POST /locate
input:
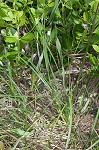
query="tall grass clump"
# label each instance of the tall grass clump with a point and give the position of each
(49, 71)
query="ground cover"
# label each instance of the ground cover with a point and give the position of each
(49, 75)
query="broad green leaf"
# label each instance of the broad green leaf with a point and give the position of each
(97, 31)
(7, 18)
(27, 38)
(6, 13)
(96, 48)
(95, 39)
(85, 16)
(4, 6)
(22, 20)
(10, 14)
(24, 1)
(53, 33)
(51, 4)
(10, 55)
(47, 10)
(2, 13)
(18, 14)
(94, 5)
(93, 59)
(10, 39)
(40, 10)
(32, 11)
(19, 4)
(57, 12)
(4, 10)
(76, 21)
(49, 1)
(2, 23)
(75, 13)
(11, 32)
(68, 5)
(31, 2)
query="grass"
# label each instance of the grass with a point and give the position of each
(49, 93)
(44, 117)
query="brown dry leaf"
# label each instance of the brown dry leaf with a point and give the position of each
(1, 145)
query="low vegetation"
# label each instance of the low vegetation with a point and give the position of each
(49, 74)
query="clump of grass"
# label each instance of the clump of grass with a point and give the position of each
(47, 101)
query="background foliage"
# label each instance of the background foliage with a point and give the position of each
(48, 28)
(42, 37)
